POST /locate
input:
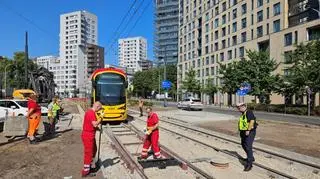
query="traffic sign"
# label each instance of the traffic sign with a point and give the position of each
(244, 89)
(166, 84)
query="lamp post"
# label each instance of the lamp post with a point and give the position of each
(5, 80)
(309, 99)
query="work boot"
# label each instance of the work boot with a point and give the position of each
(248, 168)
(85, 174)
(33, 142)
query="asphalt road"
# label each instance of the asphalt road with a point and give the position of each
(259, 114)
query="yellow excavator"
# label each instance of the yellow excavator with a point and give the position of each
(22, 93)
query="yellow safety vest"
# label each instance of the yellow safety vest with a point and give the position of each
(243, 122)
(55, 109)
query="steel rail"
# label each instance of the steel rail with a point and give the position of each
(172, 154)
(126, 155)
(229, 153)
(236, 142)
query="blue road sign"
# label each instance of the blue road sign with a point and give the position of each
(166, 84)
(244, 89)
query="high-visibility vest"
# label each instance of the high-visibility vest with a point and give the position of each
(243, 122)
(55, 109)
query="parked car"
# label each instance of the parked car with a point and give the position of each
(190, 104)
(19, 107)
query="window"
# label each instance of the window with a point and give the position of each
(207, 16)
(207, 71)
(287, 56)
(234, 13)
(295, 37)
(222, 56)
(198, 62)
(285, 72)
(223, 32)
(276, 26)
(224, 6)
(216, 23)
(235, 53)
(288, 39)
(252, 4)
(259, 31)
(276, 9)
(259, 3)
(251, 19)
(229, 54)
(207, 38)
(212, 70)
(217, 10)
(216, 46)
(223, 44)
(198, 73)
(207, 27)
(244, 23)
(234, 40)
(244, 9)
(234, 27)
(259, 16)
(267, 28)
(216, 35)
(223, 19)
(212, 59)
(243, 37)
(206, 49)
(241, 51)
(251, 34)
(267, 12)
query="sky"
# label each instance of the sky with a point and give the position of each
(41, 20)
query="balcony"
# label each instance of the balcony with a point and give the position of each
(298, 9)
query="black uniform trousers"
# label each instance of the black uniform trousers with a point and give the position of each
(246, 143)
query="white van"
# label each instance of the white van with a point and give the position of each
(18, 106)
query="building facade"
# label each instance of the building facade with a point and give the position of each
(77, 30)
(132, 53)
(213, 32)
(95, 58)
(46, 61)
(166, 31)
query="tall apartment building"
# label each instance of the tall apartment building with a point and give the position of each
(166, 31)
(46, 61)
(95, 58)
(132, 52)
(77, 30)
(215, 31)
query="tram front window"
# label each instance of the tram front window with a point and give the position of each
(110, 89)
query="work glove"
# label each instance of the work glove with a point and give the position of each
(148, 132)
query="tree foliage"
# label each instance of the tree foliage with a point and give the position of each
(190, 83)
(145, 82)
(257, 70)
(304, 69)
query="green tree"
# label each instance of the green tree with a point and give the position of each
(257, 70)
(304, 69)
(190, 83)
(210, 89)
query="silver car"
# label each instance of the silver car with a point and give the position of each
(190, 104)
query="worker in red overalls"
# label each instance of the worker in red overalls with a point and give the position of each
(152, 135)
(90, 125)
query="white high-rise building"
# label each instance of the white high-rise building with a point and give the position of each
(77, 29)
(132, 52)
(46, 61)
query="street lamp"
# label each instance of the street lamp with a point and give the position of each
(5, 80)
(309, 99)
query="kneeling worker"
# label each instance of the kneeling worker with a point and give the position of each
(247, 127)
(90, 125)
(152, 135)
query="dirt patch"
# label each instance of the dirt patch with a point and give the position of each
(56, 158)
(298, 138)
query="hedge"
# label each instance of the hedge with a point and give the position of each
(281, 108)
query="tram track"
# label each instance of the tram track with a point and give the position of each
(129, 157)
(182, 124)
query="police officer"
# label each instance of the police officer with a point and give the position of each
(247, 127)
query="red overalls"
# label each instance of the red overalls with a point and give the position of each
(152, 139)
(88, 140)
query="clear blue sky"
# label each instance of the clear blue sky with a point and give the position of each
(44, 35)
